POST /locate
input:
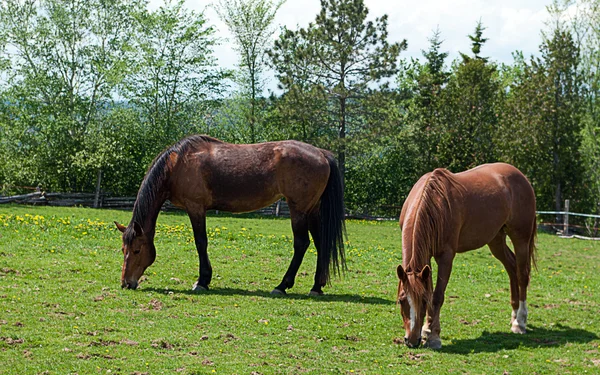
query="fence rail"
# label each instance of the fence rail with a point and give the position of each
(566, 213)
(560, 225)
(279, 208)
(568, 229)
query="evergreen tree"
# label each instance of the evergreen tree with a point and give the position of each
(542, 127)
(340, 52)
(477, 41)
(425, 83)
(469, 109)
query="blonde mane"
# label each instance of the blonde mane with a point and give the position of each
(432, 213)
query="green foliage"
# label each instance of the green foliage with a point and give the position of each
(453, 116)
(251, 23)
(70, 55)
(542, 124)
(381, 167)
(63, 309)
(470, 106)
(422, 84)
(174, 72)
(477, 40)
(588, 20)
(92, 91)
(342, 53)
(229, 121)
(99, 87)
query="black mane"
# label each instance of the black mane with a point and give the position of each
(155, 180)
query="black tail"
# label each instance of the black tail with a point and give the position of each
(333, 227)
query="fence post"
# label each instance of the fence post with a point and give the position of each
(277, 208)
(98, 184)
(566, 219)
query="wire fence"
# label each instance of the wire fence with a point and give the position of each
(569, 224)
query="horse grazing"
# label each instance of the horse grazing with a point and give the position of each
(448, 213)
(200, 173)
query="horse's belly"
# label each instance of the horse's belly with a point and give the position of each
(244, 204)
(477, 236)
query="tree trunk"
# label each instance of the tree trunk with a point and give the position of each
(342, 140)
(253, 105)
(98, 184)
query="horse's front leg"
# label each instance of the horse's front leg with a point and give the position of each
(444, 262)
(205, 270)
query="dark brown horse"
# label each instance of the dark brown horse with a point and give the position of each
(200, 173)
(448, 213)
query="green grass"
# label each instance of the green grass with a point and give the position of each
(62, 310)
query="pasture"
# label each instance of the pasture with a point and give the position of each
(62, 310)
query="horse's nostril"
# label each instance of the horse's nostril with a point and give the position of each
(411, 345)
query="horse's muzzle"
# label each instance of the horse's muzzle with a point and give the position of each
(129, 284)
(410, 345)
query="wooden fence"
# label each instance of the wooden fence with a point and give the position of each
(560, 221)
(39, 198)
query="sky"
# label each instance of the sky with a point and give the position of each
(511, 24)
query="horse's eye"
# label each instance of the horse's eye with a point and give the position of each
(401, 297)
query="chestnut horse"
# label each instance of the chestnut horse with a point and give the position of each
(448, 213)
(201, 173)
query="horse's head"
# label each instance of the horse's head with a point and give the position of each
(138, 252)
(414, 295)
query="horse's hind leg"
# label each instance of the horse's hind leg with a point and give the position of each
(321, 272)
(205, 270)
(523, 270)
(301, 242)
(503, 253)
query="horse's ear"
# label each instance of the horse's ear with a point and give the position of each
(401, 274)
(120, 227)
(425, 272)
(137, 229)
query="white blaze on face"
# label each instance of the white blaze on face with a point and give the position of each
(413, 313)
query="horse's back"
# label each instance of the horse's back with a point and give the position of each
(495, 196)
(497, 180)
(247, 177)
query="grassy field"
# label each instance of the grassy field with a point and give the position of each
(62, 310)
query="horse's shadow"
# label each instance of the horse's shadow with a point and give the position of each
(352, 298)
(536, 337)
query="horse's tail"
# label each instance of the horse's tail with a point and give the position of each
(333, 227)
(532, 247)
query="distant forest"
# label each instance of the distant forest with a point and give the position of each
(93, 90)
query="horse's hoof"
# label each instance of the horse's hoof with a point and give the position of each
(516, 328)
(425, 332)
(435, 344)
(278, 292)
(199, 288)
(315, 293)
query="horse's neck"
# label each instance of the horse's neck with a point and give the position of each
(146, 212)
